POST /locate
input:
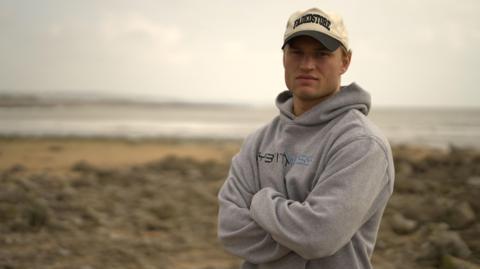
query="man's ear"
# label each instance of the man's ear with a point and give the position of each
(283, 57)
(346, 59)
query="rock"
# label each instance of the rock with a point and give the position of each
(402, 225)
(472, 236)
(55, 148)
(83, 181)
(16, 168)
(380, 244)
(449, 262)
(460, 216)
(83, 167)
(440, 241)
(64, 252)
(36, 214)
(410, 185)
(380, 262)
(403, 168)
(105, 173)
(449, 243)
(427, 251)
(420, 207)
(474, 182)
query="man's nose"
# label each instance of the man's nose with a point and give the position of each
(307, 62)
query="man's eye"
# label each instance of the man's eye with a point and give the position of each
(322, 53)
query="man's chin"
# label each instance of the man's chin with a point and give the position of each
(310, 94)
(306, 94)
(311, 97)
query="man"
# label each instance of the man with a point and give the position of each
(308, 190)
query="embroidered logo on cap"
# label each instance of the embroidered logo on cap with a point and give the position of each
(312, 18)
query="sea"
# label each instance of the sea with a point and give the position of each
(435, 127)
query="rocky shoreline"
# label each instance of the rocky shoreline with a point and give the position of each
(432, 220)
(162, 214)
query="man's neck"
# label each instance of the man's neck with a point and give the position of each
(301, 106)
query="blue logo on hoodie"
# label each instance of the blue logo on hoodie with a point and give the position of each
(284, 158)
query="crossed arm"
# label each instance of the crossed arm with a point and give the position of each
(238, 232)
(261, 225)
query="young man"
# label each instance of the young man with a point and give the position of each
(308, 190)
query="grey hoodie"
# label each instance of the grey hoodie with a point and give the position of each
(309, 191)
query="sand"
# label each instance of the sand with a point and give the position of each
(116, 203)
(59, 154)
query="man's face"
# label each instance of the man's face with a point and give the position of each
(311, 71)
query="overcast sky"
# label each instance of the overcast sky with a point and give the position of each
(405, 52)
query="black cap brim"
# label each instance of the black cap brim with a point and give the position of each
(327, 41)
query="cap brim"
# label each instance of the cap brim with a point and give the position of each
(327, 41)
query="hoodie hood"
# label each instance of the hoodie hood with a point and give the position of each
(347, 98)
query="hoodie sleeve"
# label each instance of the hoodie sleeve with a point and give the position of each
(237, 231)
(337, 206)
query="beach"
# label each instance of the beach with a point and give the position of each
(70, 202)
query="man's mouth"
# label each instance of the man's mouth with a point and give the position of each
(306, 77)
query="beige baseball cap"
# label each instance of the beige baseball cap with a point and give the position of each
(326, 27)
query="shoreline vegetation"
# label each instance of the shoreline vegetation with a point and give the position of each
(68, 202)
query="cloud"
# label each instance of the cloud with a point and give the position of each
(136, 34)
(139, 28)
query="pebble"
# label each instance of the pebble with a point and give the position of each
(64, 252)
(16, 168)
(450, 242)
(441, 241)
(402, 225)
(474, 181)
(450, 262)
(460, 216)
(403, 168)
(83, 166)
